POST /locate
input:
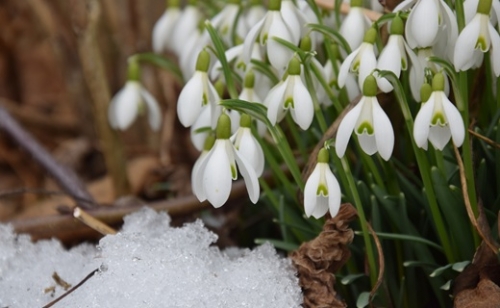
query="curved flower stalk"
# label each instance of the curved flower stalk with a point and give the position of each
(370, 123)
(438, 119)
(355, 25)
(197, 93)
(361, 61)
(427, 18)
(290, 94)
(164, 28)
(225, 19)
(130, 101)
(478, 37)
(187, 24)
(395, 55)
(272, 25)
(247, 146)
(215, 170)
(322, 190)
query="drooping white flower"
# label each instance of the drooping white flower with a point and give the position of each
(322, 190)
(370, 123)
(427, 18)
(131, 100)
(216, 170)
(477, 38)
(195, 43)
(470, 10)
(163, 30)
(272, 25)
(248, 94)
(290, 94)
(294, 19)
(417, 72)
(395, 55)
(355, 25)
(185, 27)
(197, 92)
(351, 84)
(311, 18)
(438, 119)
(361, 61)
(225, 19)
(247, 146)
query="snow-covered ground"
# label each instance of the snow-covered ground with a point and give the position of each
(147, 264)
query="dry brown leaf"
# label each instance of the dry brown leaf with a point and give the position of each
(318, 260)
(485, 295)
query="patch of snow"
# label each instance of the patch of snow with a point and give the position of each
(147, 264)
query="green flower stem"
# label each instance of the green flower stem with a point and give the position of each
(295, 134)
(367, 160)
(159, 61)
(345, 173)
(424, 167)
(459, 10)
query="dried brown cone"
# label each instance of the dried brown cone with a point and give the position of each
(318, 260)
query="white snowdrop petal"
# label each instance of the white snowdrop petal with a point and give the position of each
(252, 151)
(345, 67)
(231, 54)
(279, 55)
(346, 128)
(190, 100)
(163, 29)
(186, 25)
(154, 111)
(368, 143)
(384, 133)
(334, 194)
(439, 136)
(303, 111)
(217, 177)
(249, 176)
(310, 190)
(288, 11)
(423, 23)
(466, 44)
(422, 122)
(495, 50)
(404, 5)
(274, 102)
(367, 64)
(353, 27)
(249, 42)
(204, 120)
(455, 121)
(127, 102)
(389, 60)
(197, 176)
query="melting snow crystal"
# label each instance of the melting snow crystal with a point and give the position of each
(147, 264)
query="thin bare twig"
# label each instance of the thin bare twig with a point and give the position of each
(92, 222)
(485, 139)
(381, 262)
(345, 8)
(65, 177)
(470, 213)
(52, 303)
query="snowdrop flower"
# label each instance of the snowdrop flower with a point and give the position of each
(207, 146)
(310, 18)
(225, 19)
(164, 27)
(476, 38)
(247, 146)
(253, 14)
(369, 121)
(351, 84)
(294, 19)
(214, 173)
(306, 45)
(292, 95)
(322, 190)
(132, 100)
(427, 18)
(195, 43)
(248, 94)
(361, 61)
(417, 72)
(197, 92)
(394, 56)
(272, 25)
(438, 119)
(355, 25)
(187, 25)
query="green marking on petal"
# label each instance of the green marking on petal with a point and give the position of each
(289, 103)
(224, 30)
(365, 127)
(234, 174)
(322, 190)
(333, 83)
(481, 44)
(241, 65)
(355, 65)
(204, 99)
(438, 119)
(264, 39)
(404, 64)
